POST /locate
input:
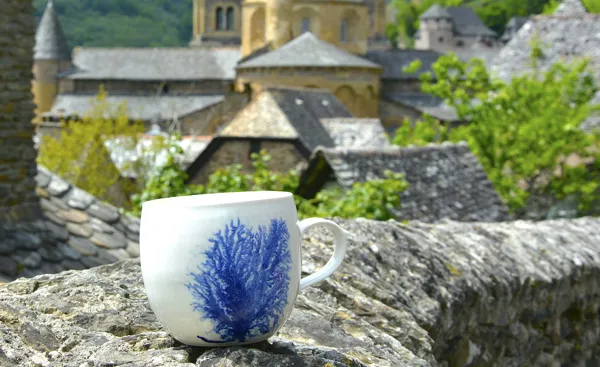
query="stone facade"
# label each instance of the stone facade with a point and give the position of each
(17, 154)
(238, 151)
(357, 89)
(448, 294)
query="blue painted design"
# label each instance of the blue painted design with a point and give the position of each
(242, 287)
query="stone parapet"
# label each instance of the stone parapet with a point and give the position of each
(447, 294)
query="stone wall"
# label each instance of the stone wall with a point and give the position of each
(17, 154)
(447, 294)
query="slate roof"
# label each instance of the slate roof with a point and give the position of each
(50, 40)
(563, 38)
(78, 230)
(394, 60)
(446, 181)
(435, 12)
(307, 50)
(292, 113)
(570, 7)
(353, 132)
(424, 103)
(163, 64)
(139, 107)
(467, 23)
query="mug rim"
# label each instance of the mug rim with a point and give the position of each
(218, 199)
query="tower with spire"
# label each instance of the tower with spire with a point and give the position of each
(51, 57)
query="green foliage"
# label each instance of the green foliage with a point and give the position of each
(521, 131)
(423, 132)
(373, 199)
(124, 23)
(79, 154)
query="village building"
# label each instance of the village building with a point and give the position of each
(237, 49)
(445, 181)
(453, 29)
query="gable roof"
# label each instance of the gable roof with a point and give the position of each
(307, 50)
(139, 107)
(77, 231)
(570, 7)
(352, 132)
(445, 181)
(467, 23)
(562, 38)
(394, 60)
(122, 63)
(50, 40)
(291, 113)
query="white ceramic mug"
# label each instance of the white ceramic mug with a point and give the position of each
(224, 269)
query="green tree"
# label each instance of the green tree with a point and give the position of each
(521, 131)
(79, 155)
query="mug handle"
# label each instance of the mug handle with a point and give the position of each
(338, 254)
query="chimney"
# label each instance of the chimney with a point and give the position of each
(18, 201)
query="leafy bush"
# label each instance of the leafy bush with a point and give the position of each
(374, 199)
(521, 131)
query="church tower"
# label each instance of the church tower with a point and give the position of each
(216, 23)
(51, 56)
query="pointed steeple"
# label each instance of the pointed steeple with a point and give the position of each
(50, 40)
(570, 7)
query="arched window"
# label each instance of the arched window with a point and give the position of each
(305, 25)
(219, 19)
(229, 18)
(344, 31)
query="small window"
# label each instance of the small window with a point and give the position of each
(460, 43)
(164, 89)
(229, 18)
(344, 31)
(441, 39)
(219, 19)
(305, 25)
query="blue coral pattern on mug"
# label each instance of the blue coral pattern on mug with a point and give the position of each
(242, 286)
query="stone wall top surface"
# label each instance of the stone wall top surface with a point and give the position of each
(448, 294)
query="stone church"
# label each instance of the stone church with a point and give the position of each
(238, 48)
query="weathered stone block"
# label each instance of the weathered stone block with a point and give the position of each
(103, 211)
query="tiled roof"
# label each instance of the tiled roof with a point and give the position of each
(467, 23)
(394, 60)
(292, 113)
(122, 156)
(308, 50)
(446, 181)
(139, 107)
(50, 40)
(155, 63)
(353, 132)
(424, 103)
(78, 230)
(562, 38)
